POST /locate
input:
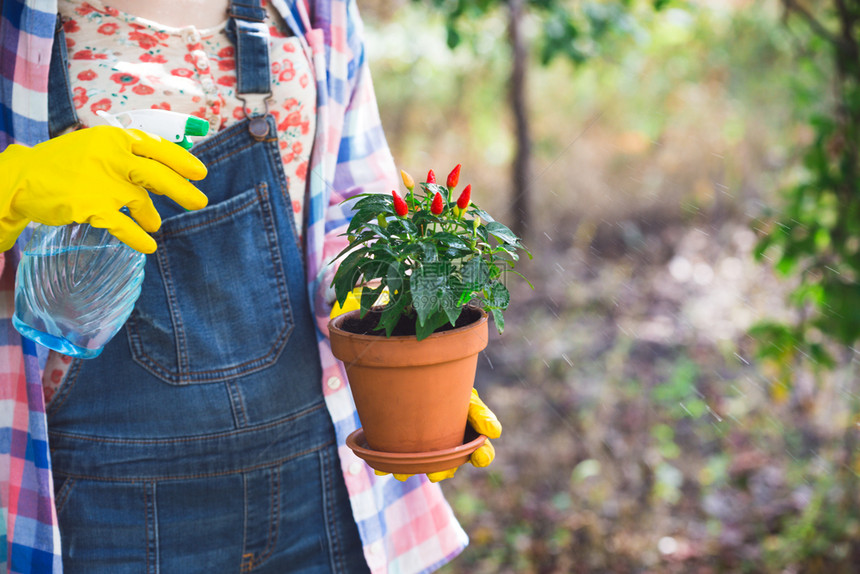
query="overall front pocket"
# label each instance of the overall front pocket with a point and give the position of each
(215, 303)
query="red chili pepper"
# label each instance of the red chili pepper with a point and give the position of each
(465, 197)
(437, 206)
(431, 177)
(400, 207)
(453, 177)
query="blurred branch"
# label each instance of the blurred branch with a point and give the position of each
(817, 27)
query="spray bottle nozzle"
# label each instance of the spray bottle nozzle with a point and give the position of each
(172, 126)
(195, 126)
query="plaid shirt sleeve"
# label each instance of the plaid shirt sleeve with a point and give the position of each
(29, 536)
(405, 527)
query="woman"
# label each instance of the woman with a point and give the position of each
(202, 439)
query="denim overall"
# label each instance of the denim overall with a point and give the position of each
(198, 441)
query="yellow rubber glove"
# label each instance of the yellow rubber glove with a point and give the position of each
(353, 302)
(482, 420)
(86, 176)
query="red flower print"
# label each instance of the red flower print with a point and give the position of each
(216, 108)
(162, 35)
(292, 119)
(290, 102)
(142, 90)
(297, 206)
(79, 97)
(289, 47)
(304, 80)
(227, 52)
(84, 9)
(196, 99)
(189, 58)
(282, 144)
(228, 81)
(297, 147)
(238, 113)
(158, 58)
(48, 393)
(88, 55)
(70, 26)
(194, 46)
(161, 106)
(69, 43)
(200, 113)
(145, 41)
(182, 72)
(65, 359)
(288, 73)
(56, 375)
(226, 65)
(124, 79)
(111, 11)
(276, 67)
(108, 29)
(302, 170)
(102, 104)
(87, 75)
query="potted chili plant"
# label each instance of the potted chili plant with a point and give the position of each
(439, 265)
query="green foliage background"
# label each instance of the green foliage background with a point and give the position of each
(671, 402)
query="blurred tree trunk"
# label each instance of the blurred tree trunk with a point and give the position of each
(521, 204)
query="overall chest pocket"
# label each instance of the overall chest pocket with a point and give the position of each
(215, 303)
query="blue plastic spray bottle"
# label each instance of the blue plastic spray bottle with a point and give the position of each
(76, 284)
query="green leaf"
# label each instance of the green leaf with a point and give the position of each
(394, 278)
(433, 322)
(430, 253)
(499, 318)
(452, 312)
(426, 285)
(475, 273)
(450, 240)
(499, 296)
(402, 226)
(376, 201)
(502, 233)
(378, 230)
(368, 298)
(393, 311)
(360, 219)
(523, 277)
(348, 273)
(474, 211)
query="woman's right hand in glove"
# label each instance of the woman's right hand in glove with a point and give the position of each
(88, 175)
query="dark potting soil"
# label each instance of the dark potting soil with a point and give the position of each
(367, 324)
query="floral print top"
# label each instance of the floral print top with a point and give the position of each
(118, 62)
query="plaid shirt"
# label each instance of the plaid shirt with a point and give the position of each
(405, 527)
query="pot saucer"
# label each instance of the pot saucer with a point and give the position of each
(415, 462)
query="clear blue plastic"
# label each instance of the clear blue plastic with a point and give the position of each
(75, 288)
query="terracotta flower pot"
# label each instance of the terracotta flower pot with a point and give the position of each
(412, 396)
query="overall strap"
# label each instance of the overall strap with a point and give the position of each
(250, 34)
(61, 106)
